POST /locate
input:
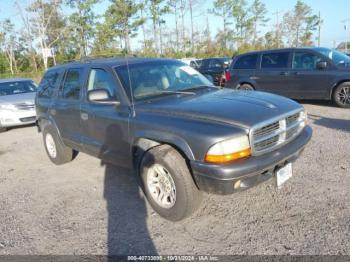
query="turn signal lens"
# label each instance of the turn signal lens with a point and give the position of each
(222, 159)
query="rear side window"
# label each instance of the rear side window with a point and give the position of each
(246, 62)
(73, 83)
(275, 60)
(215, 63)
(101, 79)
(49, 83)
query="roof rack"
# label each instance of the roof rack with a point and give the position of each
(91, 58)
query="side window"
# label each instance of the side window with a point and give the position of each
(215, 64)
(100, 79)
(275, 60)
(73, 83)
(246, 62)
(50, 81)
(305, 60)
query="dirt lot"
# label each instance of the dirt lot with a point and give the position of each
(88, 208)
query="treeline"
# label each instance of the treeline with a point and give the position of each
(169, 28)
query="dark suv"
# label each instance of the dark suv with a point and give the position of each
(299, 73)
(166, 121)
(214, 69)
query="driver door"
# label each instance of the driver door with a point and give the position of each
(106, 126)
(307, 81)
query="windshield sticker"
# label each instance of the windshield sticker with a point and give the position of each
(189, 70)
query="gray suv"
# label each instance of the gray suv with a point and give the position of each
(299, 73)
(165, 121)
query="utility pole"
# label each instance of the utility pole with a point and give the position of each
(319, 29)
(346, 34)
(277, 13)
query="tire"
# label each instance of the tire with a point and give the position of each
(58, 153)
(246, 87)
(181, 185)
(341, 95)
(3, 129)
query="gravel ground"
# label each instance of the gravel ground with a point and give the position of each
(88, 208)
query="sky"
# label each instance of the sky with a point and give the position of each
(333, 12)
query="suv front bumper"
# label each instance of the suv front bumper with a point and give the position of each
(220, 179)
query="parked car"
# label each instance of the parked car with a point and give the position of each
(299, 73)
(16, 102)
(169, 124)
(214, 68)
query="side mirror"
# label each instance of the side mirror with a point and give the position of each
(321, 65)
(101, 96)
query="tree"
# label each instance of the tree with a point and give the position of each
(242, 19)
(28, 36)
(173, 7)
(222, 8)
(299, 24)
(82, 23)
(48, 25)
(122, 16)
(258, 12)
(192, 4)
(9, 44)
(157, 10)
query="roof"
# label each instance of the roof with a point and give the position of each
(8, 80)
(112, 61)
(282, 49)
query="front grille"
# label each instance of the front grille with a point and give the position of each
(269, 136)
(24, 106)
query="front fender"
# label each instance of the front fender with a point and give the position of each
(167, 138)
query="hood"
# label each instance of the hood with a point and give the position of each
(240, 108)
(26, 98)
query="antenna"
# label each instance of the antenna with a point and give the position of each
(345, 22)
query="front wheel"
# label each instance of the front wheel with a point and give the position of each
(168, 184)
(341, 95)
(3, 129)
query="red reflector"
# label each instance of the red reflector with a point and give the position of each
(228, 75)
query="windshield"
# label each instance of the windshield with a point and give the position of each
(337, 57)
(17, 87)
(156, 78)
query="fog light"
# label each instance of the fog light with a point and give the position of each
(237, 184)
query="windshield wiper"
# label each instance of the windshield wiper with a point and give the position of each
(195, 87)
(180, 92)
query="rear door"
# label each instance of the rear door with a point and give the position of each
(274, 73)
(105, 127)
(66, 108)
(308, 82)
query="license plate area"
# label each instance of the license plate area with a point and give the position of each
(283, 174)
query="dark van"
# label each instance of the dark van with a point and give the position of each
(299, 73)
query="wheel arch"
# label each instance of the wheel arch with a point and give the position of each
(142, 144)
(248, 83)
(336, 85)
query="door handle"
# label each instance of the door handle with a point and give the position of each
(297, 73)
(84, 116)
(284, 73)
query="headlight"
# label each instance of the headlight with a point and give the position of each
(8, 107)
(229, 150)
(303, 117)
